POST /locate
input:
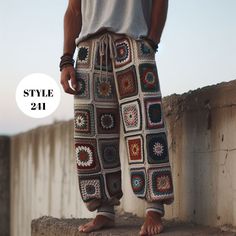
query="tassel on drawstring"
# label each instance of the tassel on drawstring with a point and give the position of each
(106, 44)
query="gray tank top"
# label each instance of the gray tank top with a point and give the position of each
(130, 17)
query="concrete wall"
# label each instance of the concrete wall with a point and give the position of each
(4, 186)
(202, 144)
(43, 180)
(202, 128)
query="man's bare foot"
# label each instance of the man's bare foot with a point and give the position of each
(152, 224)
(99, 222)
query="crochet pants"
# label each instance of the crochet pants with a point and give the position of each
(119, 97)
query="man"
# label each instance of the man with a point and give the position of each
(115, 83)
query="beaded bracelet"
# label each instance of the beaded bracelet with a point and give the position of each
(66, 59)
(152, 44)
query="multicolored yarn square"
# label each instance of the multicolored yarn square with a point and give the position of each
(91, 187)
(149, 78)
(157, 149)
(160, 183)
(83, 91)
(108, 120)
(131, 116)
(86, 156)
(145, 51)
(84, 55)
(103, 62)
(153, 110)
(123, 52)
(83, 120)
(109, 153)
(127, 82)
(104, 88)
(138, 182)
(113, 183)
(135, 149)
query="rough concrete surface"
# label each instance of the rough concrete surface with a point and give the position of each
(126, 225)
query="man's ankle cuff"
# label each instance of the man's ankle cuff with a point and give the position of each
(106, 210)
(156, 206)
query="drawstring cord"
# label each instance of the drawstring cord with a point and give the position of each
(106, 43)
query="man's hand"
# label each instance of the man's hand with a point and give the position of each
(68, 74)
(72, 27)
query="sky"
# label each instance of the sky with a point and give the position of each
(197, 49)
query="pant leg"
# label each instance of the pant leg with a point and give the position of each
(96, 130)
(141, 111)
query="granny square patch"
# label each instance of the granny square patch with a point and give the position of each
(83, 86)
(83, 121)
(102, 59)
(135, 149)
(108, 120)
(104, 88)
(84, 55)
(109, 153)
(149, 78)
(91, 187)
(153, 110)
(157, 149)
(113, 182)
(160, 183)
(145, 51)
(138, 182)
(127, 83)
(131, 116)
(86, 156)
(123, 52)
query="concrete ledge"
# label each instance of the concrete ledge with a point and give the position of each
(126, 225)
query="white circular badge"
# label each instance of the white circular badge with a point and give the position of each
(38, 95)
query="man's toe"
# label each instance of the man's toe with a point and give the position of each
(153, 230)
(89, 227)
(149, 230)
(81, 228)
(143, 231)
(157, 229)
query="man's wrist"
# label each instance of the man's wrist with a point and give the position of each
(66, 60)
(152, 43)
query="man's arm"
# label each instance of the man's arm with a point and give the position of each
(72, 27)
(158, 19)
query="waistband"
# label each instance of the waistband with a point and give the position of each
(105, 43)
